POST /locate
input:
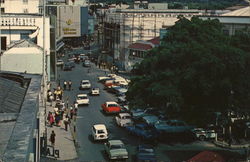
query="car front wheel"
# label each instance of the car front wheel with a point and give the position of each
(202, 138)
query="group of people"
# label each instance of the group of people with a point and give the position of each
(67, 85)
(55, 95)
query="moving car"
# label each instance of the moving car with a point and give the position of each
(203, 134)
(111, 107)
(145, 153)
(86, 63)
(67, 67)
(99, 132)
(143, 130)
(95, 91)
(116, 149)
(123, 119)
(82, 99)
(85, 84)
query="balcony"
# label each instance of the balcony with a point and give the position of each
(17, 21)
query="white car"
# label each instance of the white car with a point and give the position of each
(123, 119)
(59, 63)
(95, 91)
(106, 77)
(85, 84)
(116, 149)
(203, 134)
(99, 132)
(82, 99)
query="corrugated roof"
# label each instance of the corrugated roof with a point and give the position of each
(140, 46)
(155, 41)
(240, 12)
(11, 96)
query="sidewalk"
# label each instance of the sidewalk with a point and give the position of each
(224, 144)
(64, 149)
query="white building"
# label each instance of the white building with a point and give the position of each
(15, 27)
(123, 27)
(20, 6)
(23, 56)
(233, 21)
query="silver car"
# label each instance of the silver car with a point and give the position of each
(116, 149)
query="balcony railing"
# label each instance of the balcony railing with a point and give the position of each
(12, 21)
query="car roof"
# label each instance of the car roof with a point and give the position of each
(111, 102)
(124, 114)
(115, 142)
(81, 95)
(85, 80)
(99, 126)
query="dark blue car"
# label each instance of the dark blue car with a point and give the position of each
(145, 153)
(144, 131)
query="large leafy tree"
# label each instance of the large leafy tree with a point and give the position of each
(197, 69)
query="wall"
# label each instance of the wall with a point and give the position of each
(18, 6)
(31, 63)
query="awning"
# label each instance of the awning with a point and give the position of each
(59, 46)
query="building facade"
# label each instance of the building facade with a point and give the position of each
(20, 6)
(119, 28)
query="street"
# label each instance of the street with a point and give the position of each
(90, 115)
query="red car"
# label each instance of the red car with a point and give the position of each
(111, 107)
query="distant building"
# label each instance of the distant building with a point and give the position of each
(119, 28)
(138, 50)
(233, 21)
(20, 6)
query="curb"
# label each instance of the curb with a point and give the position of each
(226, 145)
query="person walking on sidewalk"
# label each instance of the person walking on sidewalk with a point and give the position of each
(52, 138)
(76, 105)
(71, 113)
(70, 84)
(51, 119)
(66, 122)
(64, 85)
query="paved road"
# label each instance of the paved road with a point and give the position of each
(89, 115)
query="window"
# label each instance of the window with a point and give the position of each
(25, 10)
(3, 43)
(25, 1)
(2, 10)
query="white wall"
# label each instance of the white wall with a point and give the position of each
(30, 62)
(18, 6)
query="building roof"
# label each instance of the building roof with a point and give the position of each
(240, 12)
(207, 156)
(155, 41)
(140, 46)
(24, 43)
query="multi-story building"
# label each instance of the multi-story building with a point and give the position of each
(233, 21)
(119, 28)
(20, 6)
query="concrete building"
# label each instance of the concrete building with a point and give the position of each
(16, 27)
(22, 125)
(20, 6)
(119, 28)
(233, 21)
(23, 56)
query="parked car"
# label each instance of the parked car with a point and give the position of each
(143, 130)
(123, 119)
(83, 57)
(103, 78)
(86, 63)
(59, 63)
(203, 134)
(122, 99)
(111, 107)
(99, 132)
(82, 99)
(67, 67)
(150, 119)
(94, 91)
(72, 64)
(145, 153)
(85, 84)
(116, 149)
(172, 126)
(138, 113)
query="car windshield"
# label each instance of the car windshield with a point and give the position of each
(116, 146)
(112, 105)
(82, 97)
(85, 82)
(100, 131)
(126, 117)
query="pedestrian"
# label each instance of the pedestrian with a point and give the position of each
(64, 85)
(52, 138)
(66, 122)
(70, 84)
(51, 98)
(71, 113)
(76, 105)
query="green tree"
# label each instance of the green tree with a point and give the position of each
(196, 70)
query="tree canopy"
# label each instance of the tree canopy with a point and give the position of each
(196, 69)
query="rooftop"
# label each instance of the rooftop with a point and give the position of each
(240, 12)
